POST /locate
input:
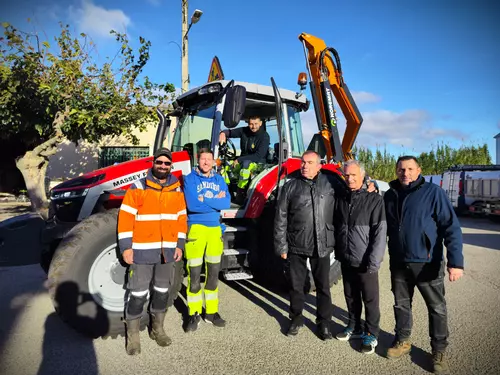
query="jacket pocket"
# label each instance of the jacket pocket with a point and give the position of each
(330, 235)
(429, 238)
(297, 237)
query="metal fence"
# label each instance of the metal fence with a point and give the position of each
(111, 155)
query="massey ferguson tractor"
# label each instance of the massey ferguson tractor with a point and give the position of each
(86, 275)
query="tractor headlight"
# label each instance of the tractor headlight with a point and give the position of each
(68, 194)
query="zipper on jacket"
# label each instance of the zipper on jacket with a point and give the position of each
(162, 251)
(400, 214)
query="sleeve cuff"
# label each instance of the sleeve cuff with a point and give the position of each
(453, 266)
(181, 242)
(124, 244)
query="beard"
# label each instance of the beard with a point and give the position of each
(159, 174)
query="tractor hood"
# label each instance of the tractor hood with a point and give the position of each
(114, 173)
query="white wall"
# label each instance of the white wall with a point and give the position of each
(72, 161)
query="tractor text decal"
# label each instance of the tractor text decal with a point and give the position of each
(129, 179)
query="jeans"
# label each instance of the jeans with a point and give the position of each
(361, 287)
(320, 268)
(429, 279)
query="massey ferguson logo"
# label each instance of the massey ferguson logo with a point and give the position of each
(129, 179)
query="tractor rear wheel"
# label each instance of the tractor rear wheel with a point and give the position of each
(87, 278)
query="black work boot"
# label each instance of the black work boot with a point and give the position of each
(157, 332)
(295, 325)
(324, 332)
(133, 338)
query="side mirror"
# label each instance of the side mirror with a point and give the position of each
(234, 106)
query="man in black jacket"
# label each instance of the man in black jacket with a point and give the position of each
(303, 229)
(254, 145)
(360, 230)
(419, 218)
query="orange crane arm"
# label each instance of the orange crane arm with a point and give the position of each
(326, 79)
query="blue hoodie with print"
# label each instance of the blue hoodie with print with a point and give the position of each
(197, 186)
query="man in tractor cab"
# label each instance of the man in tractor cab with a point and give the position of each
(254, 145)
(152, 226)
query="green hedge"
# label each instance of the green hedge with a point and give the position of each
(380, 164)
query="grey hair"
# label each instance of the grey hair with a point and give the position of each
(311, 152)
(355, 162)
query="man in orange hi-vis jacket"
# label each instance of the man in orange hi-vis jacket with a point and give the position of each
(152, 226)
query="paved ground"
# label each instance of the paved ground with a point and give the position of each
(34, 340)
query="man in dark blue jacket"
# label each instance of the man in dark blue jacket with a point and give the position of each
(419, 218)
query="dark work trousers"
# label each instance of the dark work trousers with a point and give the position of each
(139, 280)
(361, 287)
(320, 268)
(429, 279)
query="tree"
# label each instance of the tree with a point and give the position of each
(50, 94)
(381, 165)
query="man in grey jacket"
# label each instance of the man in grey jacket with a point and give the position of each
(360, 231)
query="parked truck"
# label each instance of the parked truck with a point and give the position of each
(471, 188)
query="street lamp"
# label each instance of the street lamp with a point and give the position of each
(185, 30)
(196, 16)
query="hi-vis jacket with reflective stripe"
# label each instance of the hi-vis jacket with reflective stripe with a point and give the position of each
(152, 220)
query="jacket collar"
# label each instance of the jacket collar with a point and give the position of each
(396, 185)
(171, 184)
(311, 181)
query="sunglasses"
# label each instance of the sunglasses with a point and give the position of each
(167, 163)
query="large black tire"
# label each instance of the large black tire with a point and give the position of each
(69, 273)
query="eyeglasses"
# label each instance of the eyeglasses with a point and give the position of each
(167, 163)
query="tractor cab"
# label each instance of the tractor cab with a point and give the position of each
(216, 106)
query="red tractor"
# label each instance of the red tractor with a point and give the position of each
(87, 277)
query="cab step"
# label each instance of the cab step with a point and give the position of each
(236, 251)
(237, 275)
(238, 228)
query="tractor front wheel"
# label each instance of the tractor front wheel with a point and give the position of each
(87, 278)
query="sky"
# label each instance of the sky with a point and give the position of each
(421, 72)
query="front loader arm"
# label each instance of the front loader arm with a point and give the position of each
(326, 79)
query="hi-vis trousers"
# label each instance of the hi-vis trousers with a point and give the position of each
(243, 171)
(203, 244)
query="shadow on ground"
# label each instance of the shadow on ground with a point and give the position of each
(64, 350)
(486, 240)
(273, 306)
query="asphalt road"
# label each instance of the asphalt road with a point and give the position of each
(34, 341)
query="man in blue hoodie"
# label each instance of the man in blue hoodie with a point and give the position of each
(206, 194)
(419, 219)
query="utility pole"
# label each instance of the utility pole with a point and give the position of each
(185, 30)
(185, 72)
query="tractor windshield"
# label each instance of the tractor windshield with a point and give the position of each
(295, 128)
(194, 131)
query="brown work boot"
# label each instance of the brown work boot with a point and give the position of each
(157, 332)
(440, 364)
(398, 349)
(133, 338)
